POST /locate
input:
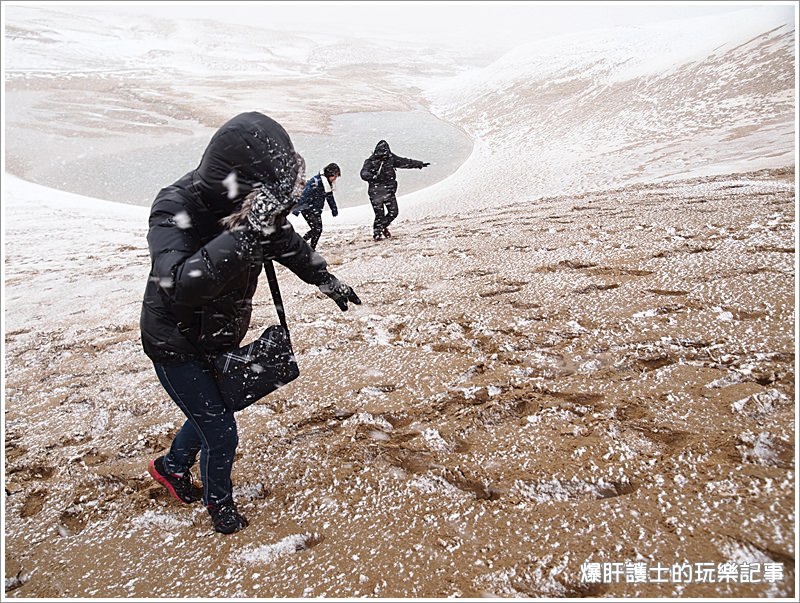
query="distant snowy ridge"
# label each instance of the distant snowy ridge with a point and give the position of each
(613, 107)
(50, 39)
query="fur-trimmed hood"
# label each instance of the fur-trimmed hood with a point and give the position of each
(248, 151)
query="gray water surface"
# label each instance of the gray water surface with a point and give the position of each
(414, 135)
(136, 175)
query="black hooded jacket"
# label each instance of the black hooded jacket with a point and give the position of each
(379, 168)
(198, 298)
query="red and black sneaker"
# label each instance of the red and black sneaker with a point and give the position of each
(386, 233)
(179, 486)
(226, 518)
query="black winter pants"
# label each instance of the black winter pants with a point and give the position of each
(314, 220)
(384, 204)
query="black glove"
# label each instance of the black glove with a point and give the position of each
(335, 212)
(339, 292)
(423, 165)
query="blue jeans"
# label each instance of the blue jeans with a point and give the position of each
(210, 428)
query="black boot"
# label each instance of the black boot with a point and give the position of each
(226, 518)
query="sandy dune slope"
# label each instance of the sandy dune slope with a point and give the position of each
(592, 379)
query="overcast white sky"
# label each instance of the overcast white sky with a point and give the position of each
(503, 24)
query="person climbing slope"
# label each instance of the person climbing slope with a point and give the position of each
(379, 171)
(317, 191)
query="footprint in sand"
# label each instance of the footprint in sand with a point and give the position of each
(33, 504)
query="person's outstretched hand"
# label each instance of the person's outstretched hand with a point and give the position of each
(339, 292)
(424, 165)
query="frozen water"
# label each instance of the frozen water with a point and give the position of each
(135, 174)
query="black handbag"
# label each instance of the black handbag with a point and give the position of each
(247, 374)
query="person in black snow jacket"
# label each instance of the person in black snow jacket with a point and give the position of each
(379, 171)
(317, 191)
(209, 234)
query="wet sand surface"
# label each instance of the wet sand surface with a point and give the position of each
(605, 378)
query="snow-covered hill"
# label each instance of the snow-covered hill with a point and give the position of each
(59, 40)
(585, 111)
(697, 97)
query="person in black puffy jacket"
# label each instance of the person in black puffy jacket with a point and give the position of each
(209, 234)
(379, 171)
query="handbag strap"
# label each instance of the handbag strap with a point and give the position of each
(272, 278)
